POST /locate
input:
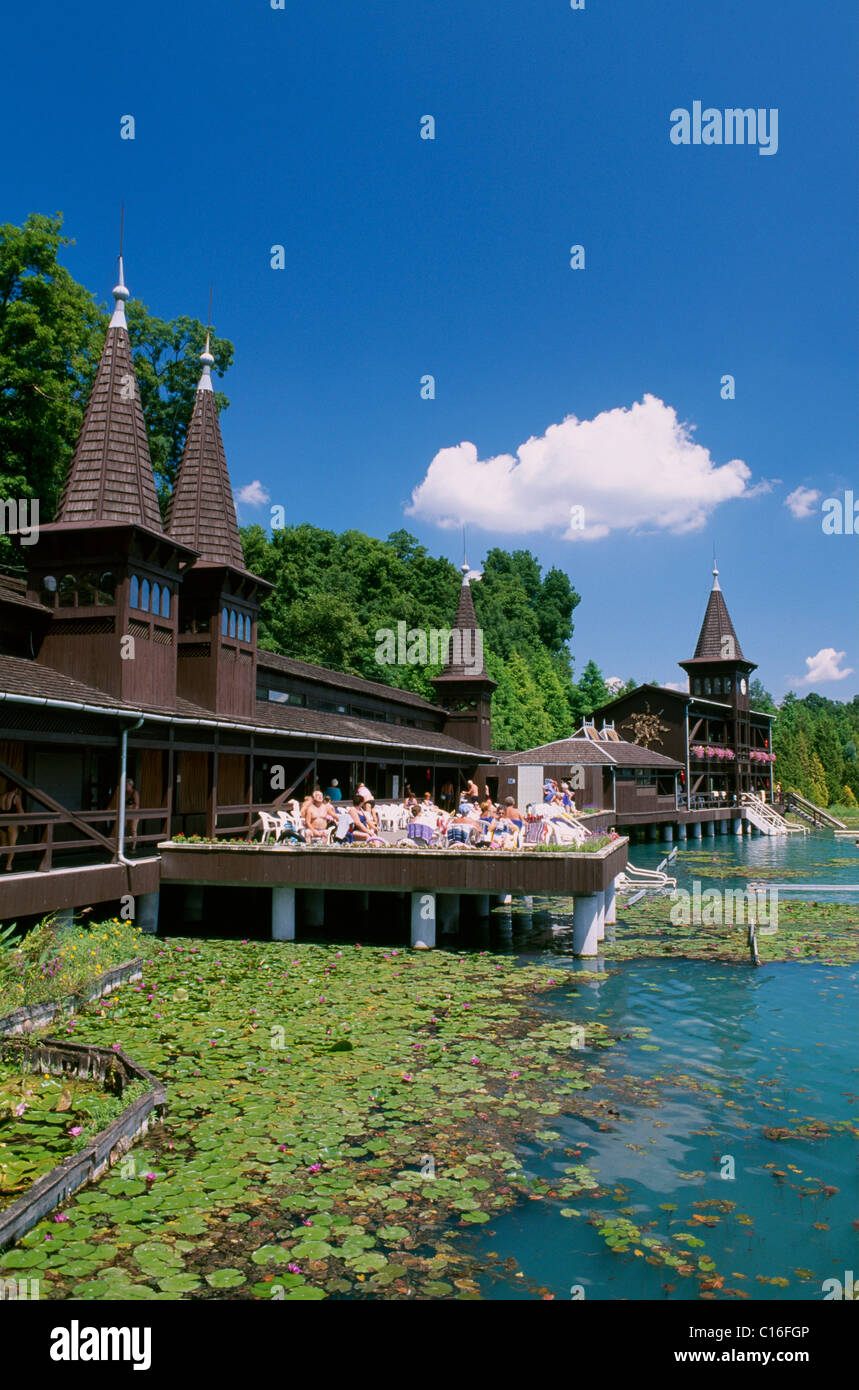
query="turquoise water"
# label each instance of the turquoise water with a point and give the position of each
(739, 1051)
(808, 858)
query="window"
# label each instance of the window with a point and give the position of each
(708, 690)
(134, 592)
(144, 595)
(106, 588)
(68, 586)
(156, 599)
(224, 622)
(49, 590)
(696, 687)
(728, 685)
(717, 685)
(86, 589)
(232, 622)
(165, 602)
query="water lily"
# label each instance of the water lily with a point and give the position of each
(294, 1269)
(76, 1130)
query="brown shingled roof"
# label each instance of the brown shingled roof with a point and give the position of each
(202, 513)
(339, 680)
(110, 478)
(585, 751)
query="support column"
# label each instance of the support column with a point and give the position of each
(282, 913)
(146, 912)
(653, 833)
(313, 907)
(695, 830)
(447, 909)
(610, 904)
(706, 828)
(192, 908)
(423, 916)
(502, 900)
(681, 830)
(363, 900)
(481, 904)
(668, 834)
(737, 826)
(723, 827)
(588, 912)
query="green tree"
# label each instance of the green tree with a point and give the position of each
(589, 692)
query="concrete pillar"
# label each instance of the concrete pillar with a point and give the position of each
(653, 832)
(363, 900)
(423, 920)
(610, 904)
(481, 904)
(723, 827)
(737, 825)
(588, 916)
(706, 828)
(283, 913)
(192, 908)
(502, 900)
(668, 834)
(681, 830)
(313, 907)
(755, 831)
(447, 905)
(146, 912)
(695, 830)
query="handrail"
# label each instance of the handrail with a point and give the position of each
(803, 805)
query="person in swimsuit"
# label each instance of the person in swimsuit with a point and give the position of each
(317, 818)
(10, 804)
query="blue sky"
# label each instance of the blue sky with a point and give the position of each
(405, 257)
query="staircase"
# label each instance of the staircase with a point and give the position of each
(815, 814)
(766, 818)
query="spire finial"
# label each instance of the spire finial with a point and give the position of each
(120, 292)
(716, 584)
(464, 567)
(208, 361)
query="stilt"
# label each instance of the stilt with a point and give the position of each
(737, 825)
(423, 920)
(668, 834)
(282, 914)
(447, 906)
(502, 900)
(481, 904)
(192, 908)
(588, 915)
(610, 904)
(146, 912)
(653, 832)
(681, 830)
(695, 830)
(313, 907)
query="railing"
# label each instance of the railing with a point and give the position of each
(809, 811)
(44, 843)
(765, 817)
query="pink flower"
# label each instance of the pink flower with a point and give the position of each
(294, 1269)
(514, 1074)
(76, 1130)
(61, 1216)
(150, 1177)
(475, 1061)
(307, 1222)
(315, 1168)
(407, 1076)
(117, 1047)
(19, 1109)
(282, 1148)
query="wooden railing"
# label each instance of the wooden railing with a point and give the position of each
(37, 834)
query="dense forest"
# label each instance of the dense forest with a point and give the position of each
(332, 593)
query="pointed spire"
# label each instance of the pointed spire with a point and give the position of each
(465, 655)
(111, 478)
(716, 628)
(202, 513)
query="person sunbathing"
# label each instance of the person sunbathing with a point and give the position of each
(318, 818)
(360, 830)
(512, 813)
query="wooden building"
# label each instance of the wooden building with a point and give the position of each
(724, 744)
(131, 651)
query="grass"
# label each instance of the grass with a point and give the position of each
(49, 963)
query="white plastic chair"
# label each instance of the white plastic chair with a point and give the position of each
(270, 826)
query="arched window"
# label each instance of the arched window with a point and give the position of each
(106, 587)
(728, 685)
(68, 587)
(224, 622)
(86, 589)
(165, 602)
(696, 687)
(49, 590)
(717, 685)
(156, 598)
(708, 690)
(232, 622)
(144, 595)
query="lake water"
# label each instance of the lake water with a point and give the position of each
(732, 1051)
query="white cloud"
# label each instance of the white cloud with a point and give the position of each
(801, 502)
(825, 666)
(682, 686)
(614, 684)
(628, 469)
(253, 494)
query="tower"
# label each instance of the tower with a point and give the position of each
(105, 567)
(463, 687)
(220, 601)
(719, 672)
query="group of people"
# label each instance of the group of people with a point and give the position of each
(322, 812)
